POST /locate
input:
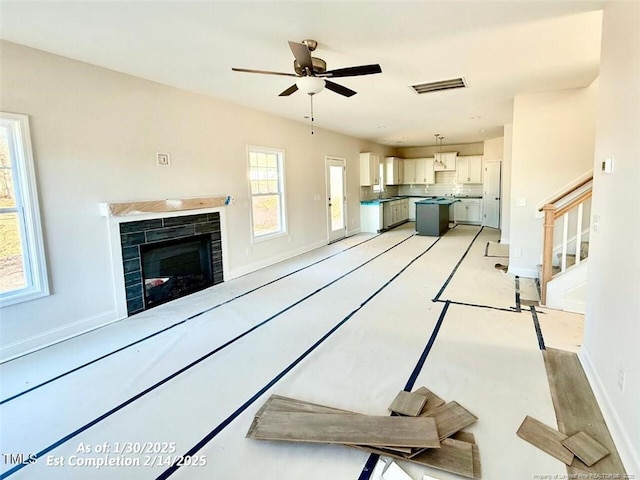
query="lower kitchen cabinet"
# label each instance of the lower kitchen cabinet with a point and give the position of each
(468, 210)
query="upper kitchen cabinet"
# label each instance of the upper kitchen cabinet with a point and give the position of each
(394, 171)
(419, 171)
(469, 169)
(445, 161)
(369, 169)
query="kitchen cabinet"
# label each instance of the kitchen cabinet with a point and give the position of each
(445, 161)
(371, 217)
(369, 169)
(469, 169)
(468, 210)
(394, 171)
(395, 212)
(419, 171)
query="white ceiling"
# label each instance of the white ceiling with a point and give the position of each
(502, 48)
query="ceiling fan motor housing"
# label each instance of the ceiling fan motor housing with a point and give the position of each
(319, 66)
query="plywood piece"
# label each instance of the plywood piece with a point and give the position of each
(577, 408)
(586, 448)
(545, 438)
(453, 456)
(408, 403)
(451, 418)
(346, 429)
(433, 400)
(157, 206)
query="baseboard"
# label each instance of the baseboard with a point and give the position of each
(238, 272)
(628, 454)
(355, 231)
(17, 349)
(523, 272)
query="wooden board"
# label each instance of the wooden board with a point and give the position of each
(453, 456)
(451, 418)
(346, 429)
(577, 409)
(433, 400)
(586, 448)
(156, 206)
(407, 403)
(545, 438)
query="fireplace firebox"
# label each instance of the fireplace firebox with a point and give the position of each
(175, 268)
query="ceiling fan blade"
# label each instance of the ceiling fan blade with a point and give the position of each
(352, 71)
(334, 87)
(293, 88)
(303, 56)
(265, 72)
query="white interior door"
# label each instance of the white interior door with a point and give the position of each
(336, 198)
(491, 198)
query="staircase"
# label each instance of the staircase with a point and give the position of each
(563, 272)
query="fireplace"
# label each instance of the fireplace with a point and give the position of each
(175, 268)
(169, 257)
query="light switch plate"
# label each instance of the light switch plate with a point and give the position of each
(521, 202)
(163, 159)
(607, 165)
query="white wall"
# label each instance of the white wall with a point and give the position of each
(552, 145)
(612, 322)
(95, 134)
(505, 212)
(493, 149)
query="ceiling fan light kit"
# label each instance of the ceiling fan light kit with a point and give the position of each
(310, 85)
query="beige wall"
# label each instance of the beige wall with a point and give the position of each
(493, 149)
(612, 322)
(421, 152)
(552, 145)
(95, 134)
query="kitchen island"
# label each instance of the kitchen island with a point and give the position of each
(432, 216)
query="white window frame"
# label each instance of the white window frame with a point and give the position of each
(27, 207)
(281, 187)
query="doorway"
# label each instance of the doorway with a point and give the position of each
(336, 199)
(491, 198)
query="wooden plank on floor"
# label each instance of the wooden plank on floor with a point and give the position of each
(545, 438)
(408, 403)
(586, 448)
(577, 409)
(347, 429)
(451, 418)
(433, 400)
(453, 456)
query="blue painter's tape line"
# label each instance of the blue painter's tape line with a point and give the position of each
(453, 272)
(198, 446)
(201, 359)
(91, 362)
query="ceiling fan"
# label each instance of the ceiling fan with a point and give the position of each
(312, 72)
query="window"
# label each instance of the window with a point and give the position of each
(23, 273)
(266, 180)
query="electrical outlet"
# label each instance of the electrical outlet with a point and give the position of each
(163, 159)
(621, 378)
(517, 252)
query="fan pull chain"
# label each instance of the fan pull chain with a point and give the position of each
(311, 114)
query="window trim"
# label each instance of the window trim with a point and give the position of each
(283, 204)
(26, 194)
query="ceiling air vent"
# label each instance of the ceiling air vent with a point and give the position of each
(450, 84)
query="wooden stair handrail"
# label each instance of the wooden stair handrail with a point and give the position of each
(573, 203)
(569, 191)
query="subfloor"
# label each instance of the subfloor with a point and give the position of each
(344, 326)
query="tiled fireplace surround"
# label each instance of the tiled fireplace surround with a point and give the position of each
(135, 234)
(129, 230)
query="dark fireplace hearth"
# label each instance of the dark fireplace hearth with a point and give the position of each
(168, 258)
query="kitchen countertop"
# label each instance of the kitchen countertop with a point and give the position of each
(438, 201)
(378, 201)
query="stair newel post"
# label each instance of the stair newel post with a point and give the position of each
(547, 249)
